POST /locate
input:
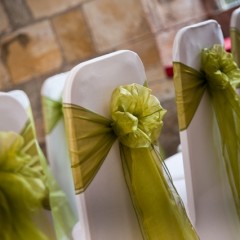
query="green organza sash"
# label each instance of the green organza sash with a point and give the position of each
(20, 174)
(136, 123)
(27, 187)
(235, 44)
(52, 113)
(220, 76)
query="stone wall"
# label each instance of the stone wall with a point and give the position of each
(40, 38)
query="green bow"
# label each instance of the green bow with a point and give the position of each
(220, 76)
(136, 123)
(26, 187)
(22, 188)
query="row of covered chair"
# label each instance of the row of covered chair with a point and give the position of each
(122, 189)
(112, 197)
(198, 177)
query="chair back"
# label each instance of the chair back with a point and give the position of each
(105, 208)
(56, 144)
(235, 35)
(15, 111)
(210, 202)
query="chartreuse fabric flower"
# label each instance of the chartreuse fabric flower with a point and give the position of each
(22, 190)
(220, 76)
(137, 116)
(136, 122)
(26, 188)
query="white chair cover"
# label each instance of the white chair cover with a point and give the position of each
(235, 19)
(105, 208)
(210, 203)
(235, 35)
(56, 144)
(14, 109)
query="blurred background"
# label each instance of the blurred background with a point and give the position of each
(41, 38)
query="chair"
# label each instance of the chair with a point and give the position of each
(209, 200)
(56, 145)
(89, 85)
(14, 112)
(105, 208)
(235, 35)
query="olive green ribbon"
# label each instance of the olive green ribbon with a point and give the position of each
(220, 76)
(26, 187)
(136, 123)
(22, 190)
(52, 113)
(235, 44)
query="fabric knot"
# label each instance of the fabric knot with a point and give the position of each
(22, 190)
(17, 168)
(219, 67)
(137, 115)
